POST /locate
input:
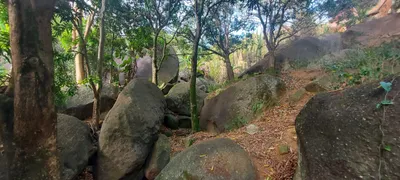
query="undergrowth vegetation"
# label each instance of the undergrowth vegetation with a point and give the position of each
(366, 65)
(357, 66)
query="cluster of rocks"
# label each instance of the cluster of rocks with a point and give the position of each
(131, 145)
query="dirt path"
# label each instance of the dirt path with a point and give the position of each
(276, 128)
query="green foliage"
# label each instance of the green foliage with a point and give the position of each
(236, 123)
(366, 65)
(3, 76)
(388, 148)
(387, 86)
(257, 106)
(5, 50)
(64, 83)
(332, 8)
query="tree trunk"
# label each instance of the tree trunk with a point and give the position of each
(229, 69)
(154, 69)
(34, 131)
(193, 94)
(96, 110)
(79, 71)
(100, 60)
(79, 57)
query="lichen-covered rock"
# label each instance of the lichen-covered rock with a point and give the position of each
(81, 104)
(178, 99)
(240, 101)
(75, 144)
(158, 158)
(129, 131)
(340, 134)
(321, 84)
(217, 159)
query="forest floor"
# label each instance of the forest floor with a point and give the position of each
(276, 128)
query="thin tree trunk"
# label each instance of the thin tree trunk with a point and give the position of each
(154, 62)
(193, 95)
(100, 60)
(34, 131)
(229, 69)
(79, 57)
(79, 70)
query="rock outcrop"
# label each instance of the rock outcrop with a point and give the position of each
(304, 49)
(343, 135)
(129, 131)
(212, 160)
(75, 144)
(168, 71)
(239, 100)
(373, 33)
(158, 158)
(178, 99)
(81, 104)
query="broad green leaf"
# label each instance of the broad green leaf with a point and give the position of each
(388, 148)
(387, 102)
(386, 85)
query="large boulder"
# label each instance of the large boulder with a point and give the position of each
(129, 131)
(204, 84)
(81, 104)
(345, 135)
(216, 159)
(75, 144)
(6, 117)
(239, 101)
(298, 51)
(158, 158)
(373, 33)
(168, 71)
(178, 99)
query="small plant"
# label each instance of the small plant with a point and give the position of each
(236, 123)
(387, 86)
(257, 106)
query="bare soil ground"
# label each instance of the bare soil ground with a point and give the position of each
(276, 128)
